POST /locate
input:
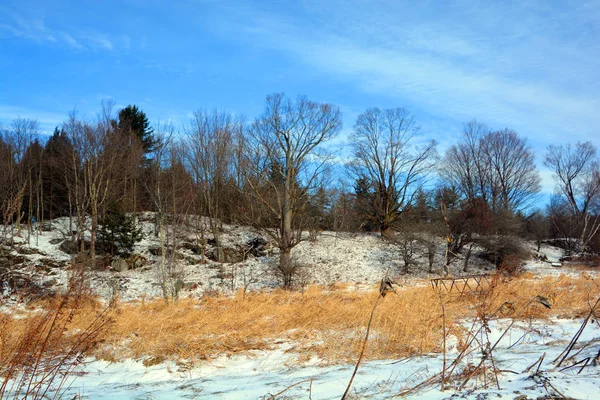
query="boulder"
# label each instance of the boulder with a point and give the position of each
(70, 247)
(137, 261)
(155, 251)
(194, 248)
(119, 264)
(230, 254)
(257, 246)
(50, 283)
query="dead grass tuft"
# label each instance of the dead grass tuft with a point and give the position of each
(327, 322)
(39, 350)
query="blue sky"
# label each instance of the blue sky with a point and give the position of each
(532, 66)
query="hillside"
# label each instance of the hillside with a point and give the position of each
(335, 257)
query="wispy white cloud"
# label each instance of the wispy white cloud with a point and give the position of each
(526, 66)
(48, 120)
(548, 182)
(35, 29)
(100, 42)
(71, 41)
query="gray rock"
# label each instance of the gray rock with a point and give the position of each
(119, 265)
(229, 255)
(70, 247)
(155, 251)
(50, 283)
(190, 285)
(194, 248)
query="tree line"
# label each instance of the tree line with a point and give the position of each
(274, 173)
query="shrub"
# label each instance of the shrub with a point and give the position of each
(505, 252)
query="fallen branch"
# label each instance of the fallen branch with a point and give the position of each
(385, 287)
(538, 362)
(569, 348)
(291, 386)
(364, 345)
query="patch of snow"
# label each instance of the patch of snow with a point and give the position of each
(260, 374)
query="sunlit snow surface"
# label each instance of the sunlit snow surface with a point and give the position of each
(265, 373)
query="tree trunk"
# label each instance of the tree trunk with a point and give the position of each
(467, 258)
(93, 234)
(203, 246)
(431, 256)
(163, 263)
(217, 236)
(386, 231)
(285, 247)
(285, 266)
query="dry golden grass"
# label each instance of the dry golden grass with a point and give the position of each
(41, 349)
(329, 323)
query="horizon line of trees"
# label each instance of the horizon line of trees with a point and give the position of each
(274, 173)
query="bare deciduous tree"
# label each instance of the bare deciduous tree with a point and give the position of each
(388, 161)
(497, 166)
(17, 138)
(407, 242)
(285, 164)
(536, 227)
(96, 155)
(210, 154)
(577, 174)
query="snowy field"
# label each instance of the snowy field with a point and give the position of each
(359, 259)
(263, 374)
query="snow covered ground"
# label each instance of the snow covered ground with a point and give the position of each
(359, 258)
(334, 257)
(262, 374)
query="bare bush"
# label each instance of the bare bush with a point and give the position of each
(293, 274)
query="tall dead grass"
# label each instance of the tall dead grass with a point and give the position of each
(329, 323)
(39, 351)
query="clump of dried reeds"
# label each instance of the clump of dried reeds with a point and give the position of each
(515, 299)
(325, 322)
(37, 353)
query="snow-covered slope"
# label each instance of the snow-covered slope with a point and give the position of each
(359, 258)
(333, 257)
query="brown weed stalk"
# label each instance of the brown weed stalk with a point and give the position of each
(36, 361)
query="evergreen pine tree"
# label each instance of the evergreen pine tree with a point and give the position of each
(134, 120)
(119, 233)
(56, 168)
